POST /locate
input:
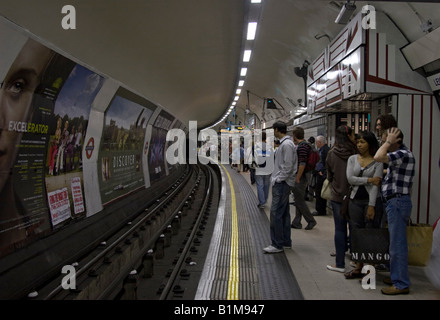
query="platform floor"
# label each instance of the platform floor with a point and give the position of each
(236, 268)
(310, 255)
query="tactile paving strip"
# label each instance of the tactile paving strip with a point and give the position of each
(260, 276)
(277, 281)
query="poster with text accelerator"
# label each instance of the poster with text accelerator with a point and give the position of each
(156, 152)
(24, 122)
(122, 144)
(73, 93)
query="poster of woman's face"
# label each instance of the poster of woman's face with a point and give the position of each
(16, 109)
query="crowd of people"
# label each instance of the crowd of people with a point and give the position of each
(370, 176)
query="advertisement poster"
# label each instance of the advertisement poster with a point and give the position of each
(24, 121)
(172, 167)
(122, 144)
(156, 152)
(72, 92)
(59, 205)
(24, 133)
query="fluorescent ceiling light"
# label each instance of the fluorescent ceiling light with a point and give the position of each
(247, 55)
(236, 98)
(252, 30)
(241, 83)
(238, 91)
(243, 72)
(255, 1)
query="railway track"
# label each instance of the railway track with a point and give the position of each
(175, 284)
(111, 269)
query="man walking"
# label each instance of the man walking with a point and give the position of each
(396, 189)
(282, 179)
(303, 150)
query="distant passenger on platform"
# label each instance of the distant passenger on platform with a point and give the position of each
(321, 175)
(312, 179)
(396, 190)
(336, 164)
(303, 150)
(282, 179)
(262, 151)
(236, 157)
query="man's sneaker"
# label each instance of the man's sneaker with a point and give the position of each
(334, 268)
(261, 206)
(394, 291)
(272, 249)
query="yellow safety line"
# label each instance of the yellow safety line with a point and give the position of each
(233, 280)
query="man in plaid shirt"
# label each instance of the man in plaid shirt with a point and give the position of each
(396, 189)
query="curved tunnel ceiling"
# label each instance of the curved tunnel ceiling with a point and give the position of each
(185, 55)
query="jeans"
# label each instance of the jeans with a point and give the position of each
(321, 204)
(340, 234)
(302, 209)
(280, 216)
(263, 185)
(398, 212)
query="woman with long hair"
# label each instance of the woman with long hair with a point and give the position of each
(336, 164)
(364, 175)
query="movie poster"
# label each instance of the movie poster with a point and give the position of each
(73, 92)
(156, 152)
(24, 127)
(122, 145)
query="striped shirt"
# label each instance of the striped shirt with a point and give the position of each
(303, 151)
(400, 172)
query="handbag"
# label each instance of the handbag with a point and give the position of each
(419, 237)
(370, 245)
(326, 190)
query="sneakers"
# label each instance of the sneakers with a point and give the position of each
(261, 206)
(334, 268)
(272, 249)
(394, 291)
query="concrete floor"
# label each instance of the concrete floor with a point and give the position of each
(310, 255)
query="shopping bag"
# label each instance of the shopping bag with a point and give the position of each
(370, 245)
(419, 238)
(326, 190)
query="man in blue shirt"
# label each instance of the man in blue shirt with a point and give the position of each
(396, 189)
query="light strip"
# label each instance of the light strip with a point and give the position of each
(247, 55)
(252, 30)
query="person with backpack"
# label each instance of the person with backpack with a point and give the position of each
(304, 151)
